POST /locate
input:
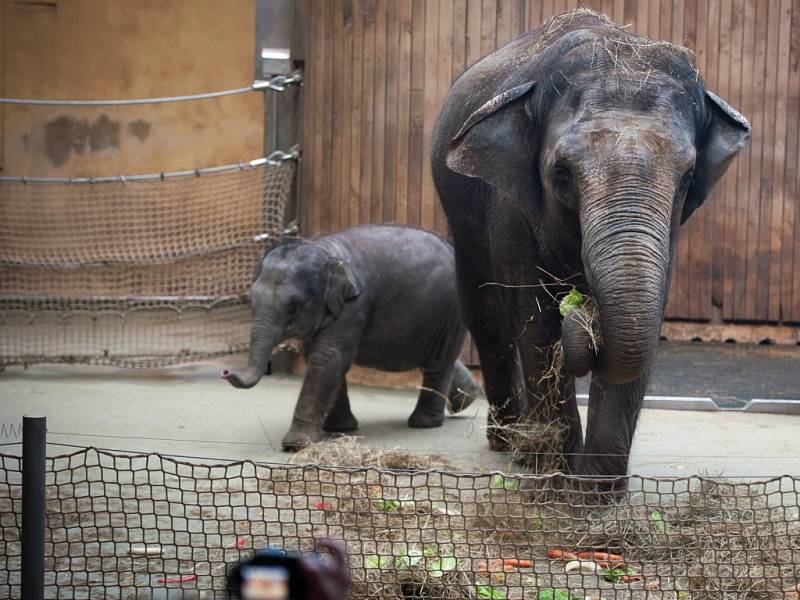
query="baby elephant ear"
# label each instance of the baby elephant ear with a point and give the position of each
(340, 288)
(727, 133)
(491, 145)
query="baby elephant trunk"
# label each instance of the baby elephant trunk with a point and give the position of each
(262, 342)
(578, 343)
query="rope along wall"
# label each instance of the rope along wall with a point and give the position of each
(120, 525)
(135, 271)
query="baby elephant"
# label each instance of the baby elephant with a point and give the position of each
(380, 296)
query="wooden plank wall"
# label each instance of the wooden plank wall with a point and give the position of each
(378, 71)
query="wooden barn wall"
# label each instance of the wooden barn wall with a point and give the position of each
(377, 72)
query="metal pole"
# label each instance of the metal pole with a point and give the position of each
(34, 444)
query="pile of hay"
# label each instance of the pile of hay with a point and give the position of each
(534, 443)
(422, 533)
(347, 451)
(727, 542)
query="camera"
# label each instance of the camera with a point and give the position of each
(276, 574)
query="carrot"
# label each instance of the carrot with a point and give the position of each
(558, 554)
(181, 579)
(598, 556)
(496, 565)
(516, 562)
(631, 578)
(653, 584)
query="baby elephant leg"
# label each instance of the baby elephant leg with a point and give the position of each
(463, 389)
(340, 418)
(429, 411)
(326, 368)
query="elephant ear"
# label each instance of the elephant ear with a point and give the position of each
(341, 287)
(491, 145)
(727, 133)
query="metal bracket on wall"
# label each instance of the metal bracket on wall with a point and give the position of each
(279, 83)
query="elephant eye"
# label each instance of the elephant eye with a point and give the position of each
(294, 307)
(686, 181)
(562, 178)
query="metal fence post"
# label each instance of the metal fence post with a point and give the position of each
(34, 449)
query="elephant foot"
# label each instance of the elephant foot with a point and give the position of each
(421, 419)
(297, 439)
(458, 402)
(463, 389)
(600, 492)
(601, 483)
(500, 427)
(340, 423)
(498, 439)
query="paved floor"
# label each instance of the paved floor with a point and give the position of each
(190, 411)
(730, 374)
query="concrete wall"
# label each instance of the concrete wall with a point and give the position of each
(96, 49)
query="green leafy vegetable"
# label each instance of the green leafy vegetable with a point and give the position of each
(658, 519)
(572, 301)
(616, 574)
(554, 594)
(378, 562)
(489, 592)
(410, 558)
(390, 505)
(505, 484)
(438, 566)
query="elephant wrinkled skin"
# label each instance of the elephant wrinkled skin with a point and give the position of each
(570, 157)
(380, 296)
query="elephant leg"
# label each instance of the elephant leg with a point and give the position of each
(340, 418)
(482, 308)
(613, 413)
(326, 368)
(498, 376)
(429, 411)
(550, 425)
(463, 389)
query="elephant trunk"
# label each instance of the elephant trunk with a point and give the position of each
(577, 343)
(626, 253)
(263, 339)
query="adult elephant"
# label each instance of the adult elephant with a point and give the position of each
(573, 154)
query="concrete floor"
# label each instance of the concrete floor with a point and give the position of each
(190, 411)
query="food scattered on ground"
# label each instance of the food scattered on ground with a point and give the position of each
(420, 533)
(581, 566)
(179, 579)
(558, 554)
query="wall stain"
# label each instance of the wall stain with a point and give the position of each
(104, 134)
(139, 129)
(64, 135)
